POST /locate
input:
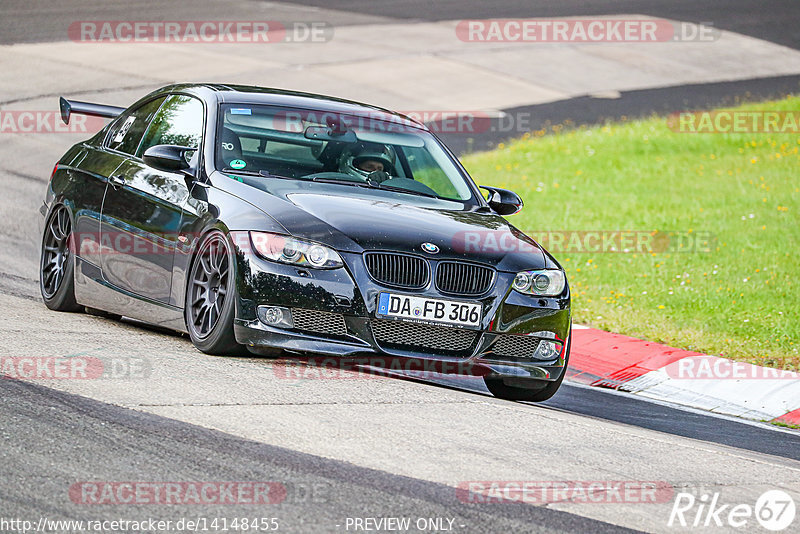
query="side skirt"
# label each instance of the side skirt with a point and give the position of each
(92, 291)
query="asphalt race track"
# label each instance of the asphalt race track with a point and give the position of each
(114, 443)
(351, 445)
(774, 20)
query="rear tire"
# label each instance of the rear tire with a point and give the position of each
(209, 309)
(57, 263)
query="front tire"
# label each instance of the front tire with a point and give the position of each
(526, 389)
(210, 297)
(522, 389)
(57, 264)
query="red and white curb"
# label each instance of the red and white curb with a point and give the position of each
(683, 377)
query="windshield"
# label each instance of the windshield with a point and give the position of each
(275, 142)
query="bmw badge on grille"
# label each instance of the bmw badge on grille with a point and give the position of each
(430, 248)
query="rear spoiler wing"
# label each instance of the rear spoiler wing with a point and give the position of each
(86, 108)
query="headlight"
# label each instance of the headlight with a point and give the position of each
(545, 283)
(287, 249)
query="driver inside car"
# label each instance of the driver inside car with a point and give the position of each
(371, 162)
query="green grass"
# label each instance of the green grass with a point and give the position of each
(737, 299)
(784, 425)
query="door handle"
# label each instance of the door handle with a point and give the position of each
(117, 180)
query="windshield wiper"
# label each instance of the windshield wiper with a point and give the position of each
(372, 185)
(262, 173)
(324, 180)
(404, 190)
(241, 171)
(266, 174)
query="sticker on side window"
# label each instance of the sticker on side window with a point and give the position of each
(123, 131)
(240, 111)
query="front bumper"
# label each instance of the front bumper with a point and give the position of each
(350, 293)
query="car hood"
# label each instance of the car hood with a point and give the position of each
(352, 219)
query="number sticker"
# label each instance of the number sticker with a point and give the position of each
(123, 131)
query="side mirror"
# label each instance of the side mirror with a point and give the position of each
(503, 201)
(169, 158)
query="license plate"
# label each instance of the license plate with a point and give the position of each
(424, 309)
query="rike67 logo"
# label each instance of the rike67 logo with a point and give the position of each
(774, 510)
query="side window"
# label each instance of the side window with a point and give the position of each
(178, 122)
(128, 129)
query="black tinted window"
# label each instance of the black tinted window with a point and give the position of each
(128, 129)
(377, 149)
(178, 122)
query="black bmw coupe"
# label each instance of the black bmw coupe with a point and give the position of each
(294, 223)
